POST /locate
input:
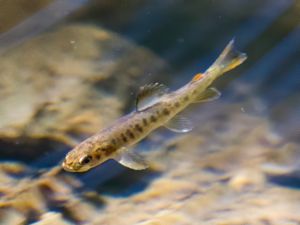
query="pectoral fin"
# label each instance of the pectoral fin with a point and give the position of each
(208, 95)
(131, 160)
(179, 124)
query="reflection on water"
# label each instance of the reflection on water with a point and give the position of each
(52, 12)
(69, 68)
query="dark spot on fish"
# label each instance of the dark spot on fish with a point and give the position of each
(166, 111)
(98, 156)
(153, 118)
(108, 150)
(130, 134)
(145, 122)
(177, 104)
(194, 92)
(124, 138)
(138, 128)
(186, 98)
(107, 153)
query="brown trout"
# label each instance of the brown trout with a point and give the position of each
(155, 107)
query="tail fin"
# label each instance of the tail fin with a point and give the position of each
(229, 58)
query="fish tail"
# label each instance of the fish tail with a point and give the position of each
(228, 59)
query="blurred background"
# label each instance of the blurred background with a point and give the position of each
(69, 68)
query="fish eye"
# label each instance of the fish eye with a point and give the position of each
(85, 160)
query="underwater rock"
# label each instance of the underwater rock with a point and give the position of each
(29, 199)
(67, 83)
(211, 176)
(52, 218)
(244, 179)
(57, 87)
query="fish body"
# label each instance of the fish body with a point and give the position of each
(155, 107)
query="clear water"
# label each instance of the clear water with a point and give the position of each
(186, 37)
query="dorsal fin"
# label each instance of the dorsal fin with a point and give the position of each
(149, 94)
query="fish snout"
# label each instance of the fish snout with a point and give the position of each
(67, 166)
(73, 167)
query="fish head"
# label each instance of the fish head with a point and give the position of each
(85, 156)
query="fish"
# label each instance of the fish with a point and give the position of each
(156, 106)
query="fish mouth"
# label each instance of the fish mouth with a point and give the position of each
(66, 167)
(73, 168)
